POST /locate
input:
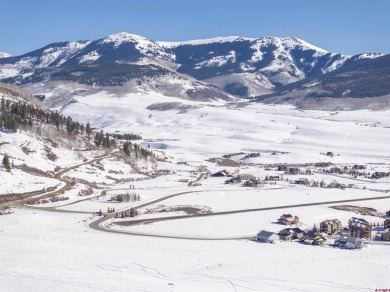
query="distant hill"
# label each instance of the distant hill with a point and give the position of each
(350, 84)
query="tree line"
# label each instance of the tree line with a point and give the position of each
(17, 115)
(21, 115)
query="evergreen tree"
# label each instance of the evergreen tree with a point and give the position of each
(88, 130)
(7, 162)
(133, 212)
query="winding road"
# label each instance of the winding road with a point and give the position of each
(58, 175)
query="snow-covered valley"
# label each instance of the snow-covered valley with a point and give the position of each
(52, 246)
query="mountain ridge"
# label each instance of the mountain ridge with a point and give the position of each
(225, 66)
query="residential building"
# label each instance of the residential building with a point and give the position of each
(359, 227)
(331, 226)
(267, 236)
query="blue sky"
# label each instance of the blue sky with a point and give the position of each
(343, 26)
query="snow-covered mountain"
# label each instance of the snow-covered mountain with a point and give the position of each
(254, 66)
(208, 69)
(5, 55)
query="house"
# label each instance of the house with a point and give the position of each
(251, 183)
(267, 236)
(288, 219)
(252, 155)
(293, 170)
(273, 178)
(289, 234)
(246, 176)
(344, 231)
(286, 234)
(233, 180)
(298, 232)
(386, 223)
(359, 167)
(332, 226)
(221, 173)
(386, 235)
(378, 175)
(349, 242)
(359, 227)
(336, 185)
(302, 181)
(313, 238)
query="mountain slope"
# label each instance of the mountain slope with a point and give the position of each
(211, 69)
(114, 61)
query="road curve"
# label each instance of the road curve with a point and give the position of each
(67, 186)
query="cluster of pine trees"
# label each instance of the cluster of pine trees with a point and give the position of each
(22, 115)
(127, 137)
(104, 140)
(16, 115)
(132, 213)
(129, 147)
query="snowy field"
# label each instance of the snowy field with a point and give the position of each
(58, 251)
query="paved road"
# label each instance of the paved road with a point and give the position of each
(99, 224)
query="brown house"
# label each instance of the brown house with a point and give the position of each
(386, 236)
(386, 224)
(288, 219)
(359, 228)
(332, 226)
(313, 238)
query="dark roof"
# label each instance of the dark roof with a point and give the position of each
(311, 234)
(297, 230)
(264, 233)
(286, 231)
(286, 215)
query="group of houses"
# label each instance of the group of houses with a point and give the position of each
(350, 237)
(249, 180)
(385, 234)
